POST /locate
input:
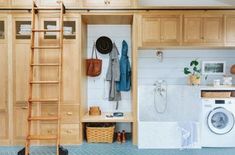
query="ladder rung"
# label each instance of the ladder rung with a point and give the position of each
(43, 100)
(42, 137)
(43, 118)
(49, 64)
(46, 30)
(46, 47)
(44, 82)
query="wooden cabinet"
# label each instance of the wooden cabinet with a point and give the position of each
(4, 132)
(21, 3)
(163, 30)
(230, 30)
(203, 30)
(21, 51)
(3, 64)
(69, 113)
(67, 3)
(107, 3)
(193, 29)
(5, 3)
(20, 116)
(20, 123)
(69, 132)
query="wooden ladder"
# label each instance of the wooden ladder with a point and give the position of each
(33, 82)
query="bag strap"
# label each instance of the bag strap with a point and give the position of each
(94, 51)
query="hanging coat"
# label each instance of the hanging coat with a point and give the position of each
(125, 70)
(113, 74)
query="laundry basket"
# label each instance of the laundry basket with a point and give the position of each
(100, 132)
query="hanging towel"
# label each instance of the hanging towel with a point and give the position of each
(113, 74)
(125, 70)
(188, 134)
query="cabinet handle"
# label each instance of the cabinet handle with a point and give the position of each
(25, 107)
(69, 113)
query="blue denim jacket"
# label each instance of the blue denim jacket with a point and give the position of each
(125, 70)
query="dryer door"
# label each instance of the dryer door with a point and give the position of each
(220, 121)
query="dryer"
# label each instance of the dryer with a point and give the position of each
(217, 123)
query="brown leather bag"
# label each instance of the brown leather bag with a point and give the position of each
(94, 65)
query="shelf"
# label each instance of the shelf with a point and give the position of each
(102, 118)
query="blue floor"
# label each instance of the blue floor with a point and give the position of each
(117, 149)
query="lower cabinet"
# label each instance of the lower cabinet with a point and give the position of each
(4, 128)
(20, 124)
(69, 132)
(69, 123)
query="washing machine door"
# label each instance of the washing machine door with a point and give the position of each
(220, 121)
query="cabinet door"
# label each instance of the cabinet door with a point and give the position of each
(151, 33)
(213, 30)
(170, 30)
(193, 30)
(4, 126)
(20, 123)
(4, 3)
(67, 3)
(3, 76)
(230, 30)
(22, 3)
(107, 3)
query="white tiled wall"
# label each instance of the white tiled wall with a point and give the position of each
(151, 69)
(97, 87)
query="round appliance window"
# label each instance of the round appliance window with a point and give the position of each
(220, 121)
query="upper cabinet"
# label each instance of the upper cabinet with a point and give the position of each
(67, 3)
(230, 30)
(107, 3)
(21, 3)
(5, 3)
(203, 30)
(164, 30)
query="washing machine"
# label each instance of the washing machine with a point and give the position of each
(217, 123)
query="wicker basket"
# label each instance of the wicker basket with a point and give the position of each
(216, 94)
(100, 134)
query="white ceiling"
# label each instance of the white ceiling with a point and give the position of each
(187, 2)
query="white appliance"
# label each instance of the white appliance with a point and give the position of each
(218, 123)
